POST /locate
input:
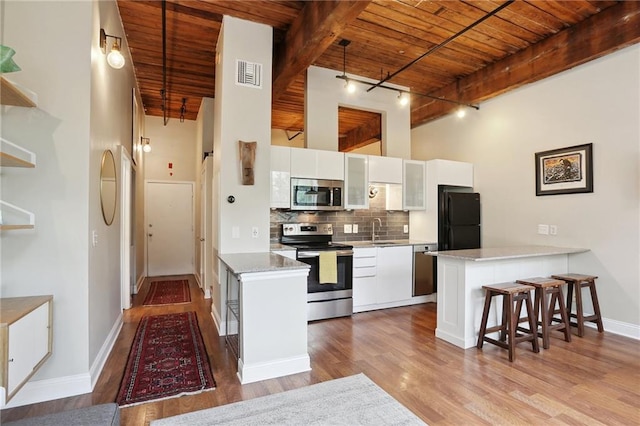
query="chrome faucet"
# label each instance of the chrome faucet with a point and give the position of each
(373, 228)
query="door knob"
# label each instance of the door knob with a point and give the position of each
(201, 239)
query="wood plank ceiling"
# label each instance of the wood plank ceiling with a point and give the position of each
(526, 41)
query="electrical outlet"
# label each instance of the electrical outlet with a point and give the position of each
(553, 229)
(348, 229)
(254, 232)
(405, 229)
(355, 228)
(94, 238)
(543, 229)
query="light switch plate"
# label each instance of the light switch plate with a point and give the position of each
(355, 228)
(348, 229)
(235, 232)
(405, 229)
(543, 229)
(553, 229)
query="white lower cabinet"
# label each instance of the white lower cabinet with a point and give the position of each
(395, 273)
(364, 278)
(382, 277)
(26, 338)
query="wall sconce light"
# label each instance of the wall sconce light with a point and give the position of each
(145, 144)
(114, 58)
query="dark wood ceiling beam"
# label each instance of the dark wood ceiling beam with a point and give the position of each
(316, 27)
(612, 29)
(362, 135)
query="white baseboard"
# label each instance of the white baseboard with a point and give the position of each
(618, 327)
(139, 284)
(47, 390)
(105, 350)
(269, 370)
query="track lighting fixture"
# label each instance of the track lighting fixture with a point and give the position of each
(403, 98)
(114, 58)
(349, 84)
(145, 144)
(183, 109)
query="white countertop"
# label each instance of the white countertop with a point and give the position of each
(500, 253)
(239, 263)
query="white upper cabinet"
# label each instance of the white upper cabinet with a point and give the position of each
(414, 196)
(280, 177)
(455, 173)
(317, 164)
(356, 181)
(385, 169)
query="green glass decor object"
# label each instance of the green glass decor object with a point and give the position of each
(6, 62)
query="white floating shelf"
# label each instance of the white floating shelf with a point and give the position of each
(13, 217)
(15, 95)
(12, 155)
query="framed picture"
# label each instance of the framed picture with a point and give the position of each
(565, 170)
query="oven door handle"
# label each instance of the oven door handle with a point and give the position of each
(312, 254)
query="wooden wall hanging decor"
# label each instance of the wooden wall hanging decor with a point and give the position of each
(247, 160)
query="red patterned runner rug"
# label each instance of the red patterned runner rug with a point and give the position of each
(168, 359)
(168, 292)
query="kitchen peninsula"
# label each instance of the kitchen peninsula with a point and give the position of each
(462, 273)
(266, 315)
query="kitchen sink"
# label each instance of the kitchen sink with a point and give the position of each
(384, 243)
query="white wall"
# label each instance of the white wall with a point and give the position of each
(598, 103)
(111, 123)
(174, 143)
(245, 115)
(325, 93)
(240, 113)
(84, 107)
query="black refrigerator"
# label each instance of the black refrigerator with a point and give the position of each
(459, 218)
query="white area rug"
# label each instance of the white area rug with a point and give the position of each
(353, 400)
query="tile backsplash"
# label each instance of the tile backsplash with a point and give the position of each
(392, 228)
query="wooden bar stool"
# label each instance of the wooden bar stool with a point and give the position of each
(545, 308)
(577, 282)
(509, 337)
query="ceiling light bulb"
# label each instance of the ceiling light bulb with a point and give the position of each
(403, 98)
(146, 147)
(115, 58)
(351, 86)
(461, 112)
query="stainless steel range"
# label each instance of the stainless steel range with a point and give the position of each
(324, 300)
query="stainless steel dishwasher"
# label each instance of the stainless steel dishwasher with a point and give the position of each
(424, 269)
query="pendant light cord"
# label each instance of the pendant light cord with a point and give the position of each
(164, 62)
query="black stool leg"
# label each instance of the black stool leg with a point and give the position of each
(596, 305)
(513, 323)
(485, 317)
(533, 327)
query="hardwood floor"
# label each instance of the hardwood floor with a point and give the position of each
(592, 380)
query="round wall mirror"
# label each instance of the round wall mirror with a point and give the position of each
(108, 186)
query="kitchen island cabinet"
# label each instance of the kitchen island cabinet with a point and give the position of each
(266, 315)
(462, 273)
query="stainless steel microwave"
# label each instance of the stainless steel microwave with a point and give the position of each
(316, 194)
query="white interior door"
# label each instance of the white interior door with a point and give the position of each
(169, 213)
